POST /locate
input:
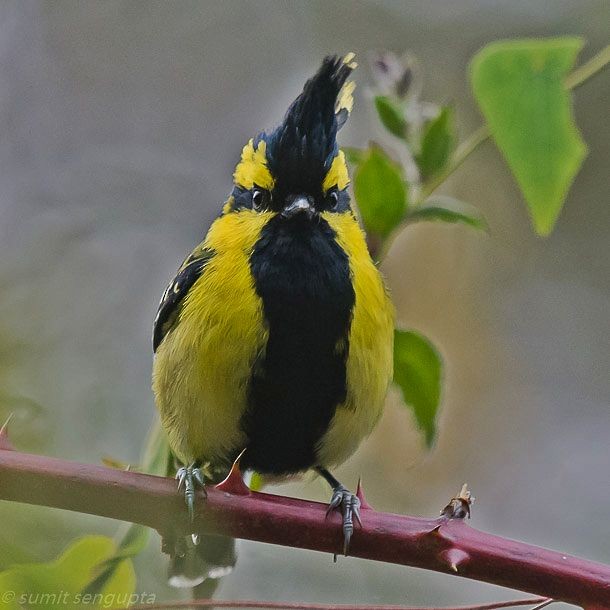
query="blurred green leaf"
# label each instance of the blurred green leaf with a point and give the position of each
(157, 460)
(13, 552)
(132, 543)
(391, 116)
(380, 192)
(519, 86)
(447, 209)
(353, 155)
(417, 372)
(44, 584)
(257, 481)
(437, 143)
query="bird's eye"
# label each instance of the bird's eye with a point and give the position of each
(260, 198)
(333, 199)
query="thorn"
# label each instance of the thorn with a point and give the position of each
(459, 506)
(234, 483)
(5, 443)
(364, 505)
(454, 558)
(435, 531)
(437, 535)
(111, 462)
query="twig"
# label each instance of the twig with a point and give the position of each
(543, 604)
(463, 151)
(246, 603)
(443, 545)
(380, 248)
(578, 77)
(583, 73)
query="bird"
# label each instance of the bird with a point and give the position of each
(274, 340)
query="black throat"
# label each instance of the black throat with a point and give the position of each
(302, 276)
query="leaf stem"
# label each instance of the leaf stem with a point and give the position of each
(583, 73)
(578, 77)
(544, 604)
(463, 151)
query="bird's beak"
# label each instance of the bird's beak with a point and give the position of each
(300, 204)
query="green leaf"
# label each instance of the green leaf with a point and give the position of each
(519, 86)
(62, 582)
(437, 143)
(391, 116)
(353, 155)
(380, 192)
(417, 372)
(447, 209)
(12, 551)
(132, 543)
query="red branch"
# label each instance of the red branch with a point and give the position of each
(442, 544)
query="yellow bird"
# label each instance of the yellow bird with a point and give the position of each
(275, 337)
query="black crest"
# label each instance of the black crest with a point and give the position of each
(301, 149)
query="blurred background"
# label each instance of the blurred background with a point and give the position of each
(121, 123)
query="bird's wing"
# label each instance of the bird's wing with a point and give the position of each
(171, 301)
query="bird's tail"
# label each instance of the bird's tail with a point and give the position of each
(213, 557)
(190, 563)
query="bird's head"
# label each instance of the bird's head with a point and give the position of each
(297, 170)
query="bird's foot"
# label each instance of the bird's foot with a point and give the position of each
(348, 504)
(189, 477)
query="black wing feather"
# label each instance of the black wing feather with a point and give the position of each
(171, 301)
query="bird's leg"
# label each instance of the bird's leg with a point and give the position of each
(189, 477)
(345, 501)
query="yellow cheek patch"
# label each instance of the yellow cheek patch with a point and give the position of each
(337, 174)
(252, 168)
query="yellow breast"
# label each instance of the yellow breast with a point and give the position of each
(371, 344)
(202, 368)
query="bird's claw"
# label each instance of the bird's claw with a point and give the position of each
(349, 505)
(189, 477)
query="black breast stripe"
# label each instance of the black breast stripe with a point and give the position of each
(302, 276)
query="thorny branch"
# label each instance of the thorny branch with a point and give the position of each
(445, 544)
